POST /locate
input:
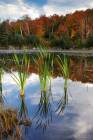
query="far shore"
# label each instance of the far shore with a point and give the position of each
(76, 52)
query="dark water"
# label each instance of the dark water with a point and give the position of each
(52, 118)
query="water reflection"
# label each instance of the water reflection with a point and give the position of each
(44, 111)
(67, 126)
(1, 90)
(62, 102)
(25, 121)
(23, 112)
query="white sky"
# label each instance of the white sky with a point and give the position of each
(17, 8)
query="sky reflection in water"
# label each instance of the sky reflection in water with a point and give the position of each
(76, 122)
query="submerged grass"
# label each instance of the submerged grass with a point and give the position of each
(22, 65)
(44, 112)
(23, 112)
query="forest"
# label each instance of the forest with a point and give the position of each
(74, 30)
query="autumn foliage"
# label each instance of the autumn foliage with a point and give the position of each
(70, 31)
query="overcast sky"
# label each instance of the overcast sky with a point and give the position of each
(14, 9)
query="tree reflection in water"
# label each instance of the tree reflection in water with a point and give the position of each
(1, 90)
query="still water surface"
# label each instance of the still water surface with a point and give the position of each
(74, 122)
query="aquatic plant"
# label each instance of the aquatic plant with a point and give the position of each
(9, 125)
(64, 67)
(22, 65)
(44, 64)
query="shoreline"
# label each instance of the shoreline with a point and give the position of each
(78, 52)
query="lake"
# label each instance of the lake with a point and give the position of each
(62, 108)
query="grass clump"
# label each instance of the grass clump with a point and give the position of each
(22, 65)
(64, 67)
(44, 64)
(9, 125)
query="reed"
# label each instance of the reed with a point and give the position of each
(9, 125)
(22, 65)
(64, 67)
(44, 64)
